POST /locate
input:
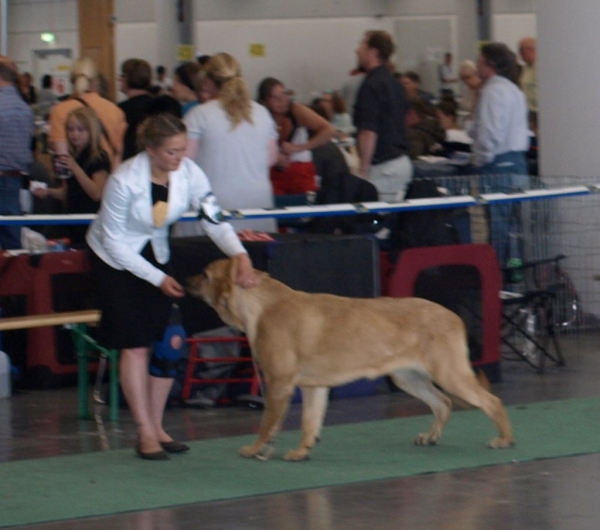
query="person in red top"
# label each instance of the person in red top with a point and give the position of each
(294, 172)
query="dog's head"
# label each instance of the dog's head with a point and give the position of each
(216, 286)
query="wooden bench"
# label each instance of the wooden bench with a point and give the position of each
(77, 322)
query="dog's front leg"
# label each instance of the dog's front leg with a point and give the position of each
(276, 406)
(314, 406)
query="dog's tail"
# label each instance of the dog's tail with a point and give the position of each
(483, 381)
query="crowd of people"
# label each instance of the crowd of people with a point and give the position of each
(201, 141)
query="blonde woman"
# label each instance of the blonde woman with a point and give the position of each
(129, 242)
(234, 140)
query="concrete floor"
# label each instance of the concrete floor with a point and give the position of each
(550, 494)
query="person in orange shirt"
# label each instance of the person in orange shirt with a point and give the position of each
(84, 78)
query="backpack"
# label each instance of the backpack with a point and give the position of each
(424, 228)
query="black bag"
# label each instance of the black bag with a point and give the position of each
(343, 188)
(425, 228)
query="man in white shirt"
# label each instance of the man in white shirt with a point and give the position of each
(448, 77)
(501, 139)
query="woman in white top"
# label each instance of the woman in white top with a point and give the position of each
(130, 260)
(234, 140)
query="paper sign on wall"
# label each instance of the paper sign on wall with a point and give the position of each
(185, 52)
(257, 49)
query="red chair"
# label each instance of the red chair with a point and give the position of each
(252, 376)
(400, 281)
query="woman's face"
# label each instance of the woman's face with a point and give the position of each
(208, 90)
(77, 135)
(181, 92)
(471, 79)
(278, 102)
(168, 155)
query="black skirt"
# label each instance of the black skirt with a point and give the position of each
(134, 312)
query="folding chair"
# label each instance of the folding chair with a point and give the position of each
(530, 317)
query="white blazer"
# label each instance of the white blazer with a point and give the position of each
(124, 224)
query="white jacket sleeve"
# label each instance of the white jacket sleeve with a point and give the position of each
(205, 203)
(116, 203)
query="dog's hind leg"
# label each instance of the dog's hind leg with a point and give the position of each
(276, 406)
(314, 406)
(417, 383)
(466, 387)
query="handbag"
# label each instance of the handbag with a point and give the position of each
(167, 352)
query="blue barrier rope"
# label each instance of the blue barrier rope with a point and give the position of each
(328, 210)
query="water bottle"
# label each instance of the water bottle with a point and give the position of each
(516, 275)
(5, 374)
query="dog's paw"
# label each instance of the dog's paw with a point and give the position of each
(261, 452)
(426, 438)
(501, 443)
(297, 455)
(249, 451)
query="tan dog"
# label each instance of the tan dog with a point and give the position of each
(317, 341)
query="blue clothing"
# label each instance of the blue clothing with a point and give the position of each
(187, 106)
(507, 174)
(500, 121)
(10, 236)
(16, 133)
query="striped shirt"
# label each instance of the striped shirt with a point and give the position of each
(16, 131)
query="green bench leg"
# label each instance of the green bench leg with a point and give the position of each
(81, 340)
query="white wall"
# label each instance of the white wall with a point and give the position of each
(306, 54)
(134, 20)
(510, 29)
(568, 75)
(27, 19)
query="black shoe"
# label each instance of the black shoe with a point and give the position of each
(157, 455)
(174, 447)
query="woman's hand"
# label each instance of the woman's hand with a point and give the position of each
(290, 149)
(283, 161)
(246, 276)
(171, 287)
(41, 193)
(66, 160)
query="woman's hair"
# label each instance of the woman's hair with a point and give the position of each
(188, 75)
(468, 66)
(338, 103)
(84, 75)
(224, 71)
(47, 81)
(137, 74)
(154, 130)
(265, 88)
(88, 119)
(449, 107)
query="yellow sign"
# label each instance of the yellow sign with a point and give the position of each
(185, 52)
(257, 49)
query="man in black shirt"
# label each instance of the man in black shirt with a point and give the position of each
(136, 78)
(380, 118)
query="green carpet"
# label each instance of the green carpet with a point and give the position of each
(93, 484)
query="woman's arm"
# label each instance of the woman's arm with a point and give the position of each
(273, 152)
(192, 148)
(93, 184)
(322, 131)
(55, 193)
